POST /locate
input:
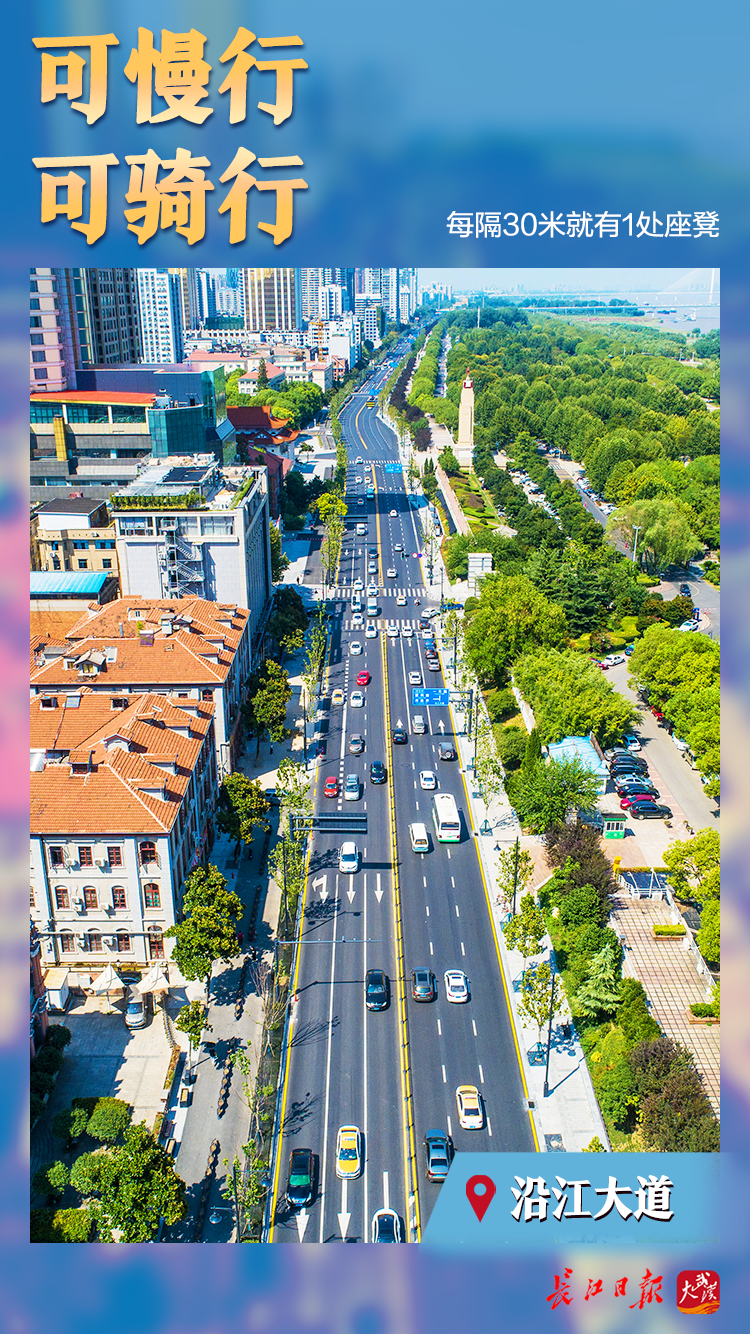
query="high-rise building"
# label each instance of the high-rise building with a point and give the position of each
(79, 318)
(330, 301)
(389, 288)
(272, 300)
(160, 306)
(309, 289)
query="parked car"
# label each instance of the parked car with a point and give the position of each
(337, 697)
(438, 1152)
(300, 1182)
(629, 786)
(135, 1009)
(650, 810)
(632, 742)
(377, 989)
(631, 799)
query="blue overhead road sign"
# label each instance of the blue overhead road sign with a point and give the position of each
(393, 467)
(430, 698)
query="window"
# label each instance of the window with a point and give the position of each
(37, 340)
(83, 565)
(35, 322)
(155, 944)
(118, 897)
(56, 857)
(90, 897)
(62, 898)
(147, 852)
(207, 694)
(67, 942)
(38, 356)
(80, 546)
(85, 857)
(34, 303)
(32, 902)
(106, 565)
(123, 942)
(40, 373)
(151, 896)
(93, 940)
(114, 856)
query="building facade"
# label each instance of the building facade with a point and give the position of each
(75, 535)
(80, 317)
(160, 311)
(271, 299)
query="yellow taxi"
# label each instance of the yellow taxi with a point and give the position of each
(470, 1109)
(348, 1152)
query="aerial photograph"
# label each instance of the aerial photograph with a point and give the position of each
(375, 614)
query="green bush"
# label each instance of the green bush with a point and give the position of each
(676, 1115)
(632, 1014)
(110, 1118)
(665, 929)
(50, 1180)
(580, 906)
(511, 745)
(48, 1060)
(86, 1173)
(70, 1225)
(501, 704)
(57, 1035)
(41, 1083)
(70, 1124)
(703, 1010)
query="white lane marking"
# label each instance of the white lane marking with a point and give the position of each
(416, 803)
(415, 782)
(457, 912)
(450, 1127)
(449, 853)
(440, 1031)
(424, 881)
(427, 910)
(343, 733)
(431, 949)
(328, 1072)
(481, 1074)
(489, 1126)
(350, 891)
(445, 1077)
(453, 883)
(463, 951)
(386, 1195)
(474, 1026)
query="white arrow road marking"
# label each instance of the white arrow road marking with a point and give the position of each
(350, 892)
(386, 1196)
(302, 1219)
(343, 1217)
(321, 880)
(378, 891)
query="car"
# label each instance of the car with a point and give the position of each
(614, 659)
(632, 742)
(371, 632)
(629, 799)
(391, 573)
(438, 1152)
(685, 591)
(415, 678)
(629, 650)
(650, 810)
(392, 629)
(372, 568)
(423, 986)
(400, 736)
(370, 492)
(470, 1109)
(637, 788)
(331, 787)
(680, 744)
(355, 647)
(634, 764)
(378, 772)
(407, 631)
(427, 780)
(433, 664)
(401, 600)
(300, 1181)
(348, 858)
(358, 585)
(372, 552)
(372, 590)
(351, 787)
(688, 626)
(363, 678)
(337, 697)
(386, 1226)
(135, 1009)
(357, 699)
(393, 515)
(356, 744)
(456, 986)
(360, 501)
(599, 662)
(446, 750)
(433, 611)
(398, 546)
(429, 642)
(358, 460)
(377, 989)
(423, 625)
(659, 716)
(357, 621)
(348, 1152)
(358, 479)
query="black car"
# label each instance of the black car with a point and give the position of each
(635, 788)
(446, 750)
(685, 591)
(300, 1185)
(400, 736)
(377, 989)
(438, 1151)
(631, 765)
(377, 772)
(650, 810)
(423, 987)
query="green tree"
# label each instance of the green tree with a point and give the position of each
(532, 755)
(242, 808)
(693, 866)
(293, 788)
(600, 993)
(265, 711)
(70, 1124)
(57, 1036)
(208, 930)
(279, 559)
(138, 1186)
(109, 1119)
(511, 744)
(262, 380)
(192, 1020)
(85, 1173)
(667, 531)
(292, 642)
(708, 937)
(512, 617)
(329, 506)
(537, 999)
(571, 696)
(546, 795)
(449, 463)
(526, 930)
(515, 866)
(50, 1180)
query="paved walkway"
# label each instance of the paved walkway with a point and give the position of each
(671, 981)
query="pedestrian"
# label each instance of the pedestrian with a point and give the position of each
(240, 938)
(271, 749)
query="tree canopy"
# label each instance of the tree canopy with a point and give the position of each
(511, 616)
(208, 929)
(571, 696)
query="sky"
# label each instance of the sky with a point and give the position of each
(574, 280)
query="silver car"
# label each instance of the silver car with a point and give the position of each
(351, 787)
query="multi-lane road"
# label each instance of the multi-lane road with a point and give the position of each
(392, 1073)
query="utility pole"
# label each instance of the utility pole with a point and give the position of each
(515, 876)
(549, 1033)
(636, 530)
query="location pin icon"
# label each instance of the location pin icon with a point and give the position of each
(480, 1192)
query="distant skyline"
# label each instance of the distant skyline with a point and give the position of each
(573, 280)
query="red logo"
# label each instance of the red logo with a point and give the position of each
(698, 1292)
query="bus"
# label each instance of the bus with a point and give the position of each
(446, 818)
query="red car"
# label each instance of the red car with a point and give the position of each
(635, 798)
(331, 787)
(363, 678)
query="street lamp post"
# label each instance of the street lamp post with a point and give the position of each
(636, 530)
(549, 1034)
(515, 876)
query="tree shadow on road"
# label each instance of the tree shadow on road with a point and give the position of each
(299, 1113)
(315, 1030)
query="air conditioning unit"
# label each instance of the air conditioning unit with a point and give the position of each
(101, 862)
(78, 904)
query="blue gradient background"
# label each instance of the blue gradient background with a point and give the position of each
(406, 112)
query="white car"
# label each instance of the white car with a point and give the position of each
(358, 479)
(614, 659)
(407, 631)
(392, 630)
(358, 460)
(358, 585)
(430, 612)
(337, 697)
(470, 1109)
(372, 567)
(386, 1226)
(428, 781)
(391, 573)
(372, 590)
(401, 600)
(415, 678)
(355, 647)
(357, 699)
(393, 515)
(357, 621)
(348, 859)
(371, 632)
(456, 986)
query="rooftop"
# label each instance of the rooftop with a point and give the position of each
(122, 396)
(196, 480)
(70, 507)
(66, 583)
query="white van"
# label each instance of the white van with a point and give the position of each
(372, 606)
(418, 725)
(361, 530)
(418, 836)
